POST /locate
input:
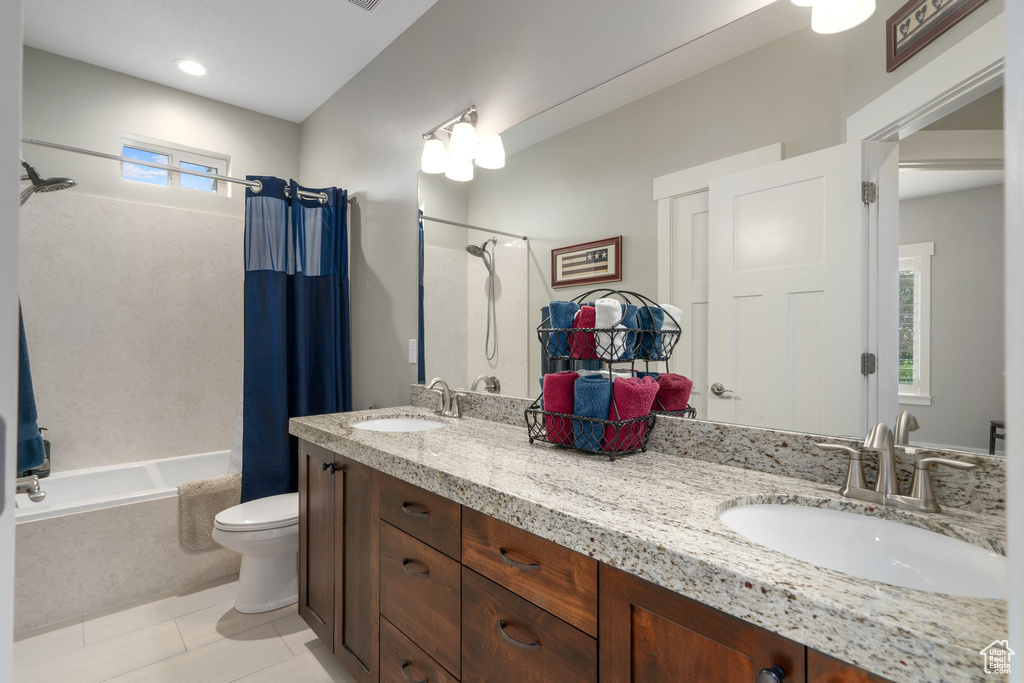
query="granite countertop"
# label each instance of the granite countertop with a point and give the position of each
(656, 516)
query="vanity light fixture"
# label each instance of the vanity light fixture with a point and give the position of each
(191, 67)
(834, 16)
(435, 156)
(463, 147)
(491, 153)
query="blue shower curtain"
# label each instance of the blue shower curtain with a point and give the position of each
(297, 352)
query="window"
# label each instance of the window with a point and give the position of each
(915, 323)
(188, 159)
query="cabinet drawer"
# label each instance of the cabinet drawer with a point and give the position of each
(429, 517)
(401, 661)
(560, 580)
(505, 638)
(420, 591)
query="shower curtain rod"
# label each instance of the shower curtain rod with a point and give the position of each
(257, 185)
(472, 227)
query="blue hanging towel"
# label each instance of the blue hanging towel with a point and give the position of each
(30, 443)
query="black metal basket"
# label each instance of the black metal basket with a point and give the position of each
(600, 437)
(616, 344)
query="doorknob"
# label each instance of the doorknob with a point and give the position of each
(718, 389)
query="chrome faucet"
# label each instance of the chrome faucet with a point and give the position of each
(886, 491)
(491, 384)
(447, 400)
(30, 485)
(906, 422)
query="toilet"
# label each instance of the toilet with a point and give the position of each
(266, 533)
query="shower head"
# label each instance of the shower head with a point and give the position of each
(42, 184)
(480, 251)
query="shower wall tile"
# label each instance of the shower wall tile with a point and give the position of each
(133, 315)
(444, 314)
(511, 306)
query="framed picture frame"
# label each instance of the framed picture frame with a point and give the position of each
(918, 23)
(587, 263)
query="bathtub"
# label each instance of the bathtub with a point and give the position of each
(102, 487)
(105, 536)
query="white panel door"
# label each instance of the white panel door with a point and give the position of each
(785, 294)
(688, 289)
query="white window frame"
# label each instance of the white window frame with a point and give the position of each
(918, 258)
(176, 154)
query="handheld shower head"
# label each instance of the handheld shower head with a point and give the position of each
(42, 184)
(481, 251)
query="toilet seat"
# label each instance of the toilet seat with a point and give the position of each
(273, 512)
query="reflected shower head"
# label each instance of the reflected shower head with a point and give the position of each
(42, 184)
(480, 251)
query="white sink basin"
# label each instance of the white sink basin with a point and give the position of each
(399, 424)
(872, 548)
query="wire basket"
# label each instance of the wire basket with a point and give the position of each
(627, 340)
(600, 437)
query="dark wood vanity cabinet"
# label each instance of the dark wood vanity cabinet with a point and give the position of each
(338, 557)
(651, 634)
(406, 585)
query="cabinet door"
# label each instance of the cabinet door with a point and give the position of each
(824, 669)
(316, 540)
(654, 635)
(357, 559)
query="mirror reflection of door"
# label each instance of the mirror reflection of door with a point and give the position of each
(951, 276)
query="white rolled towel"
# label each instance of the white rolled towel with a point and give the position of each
(672, 315)
(608, 313)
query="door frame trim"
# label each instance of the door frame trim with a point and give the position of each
(973, 67)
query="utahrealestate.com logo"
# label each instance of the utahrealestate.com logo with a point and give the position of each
(997, 657)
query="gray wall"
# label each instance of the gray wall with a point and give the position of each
(367, 137)
(595, 180)
(967, 330)
(77, 104)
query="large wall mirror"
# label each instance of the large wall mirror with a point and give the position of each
(763, 85)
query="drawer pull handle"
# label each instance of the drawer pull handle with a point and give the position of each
(532, 647)
(329, 467)
(406, 676)
(405, 565)
(532, 567)
(421, 511)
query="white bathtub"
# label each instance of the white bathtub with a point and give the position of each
(102, 487)
(108, 535)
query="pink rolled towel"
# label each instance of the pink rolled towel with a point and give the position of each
(633, 397)
(674, 393)
(582, 344)
(559, 392)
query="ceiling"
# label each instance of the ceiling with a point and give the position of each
(278, 58)
(286, 59)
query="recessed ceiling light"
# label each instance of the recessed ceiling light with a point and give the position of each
(191, 68)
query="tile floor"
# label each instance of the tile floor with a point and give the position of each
(190, 635)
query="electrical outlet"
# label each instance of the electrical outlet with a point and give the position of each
(413, 351)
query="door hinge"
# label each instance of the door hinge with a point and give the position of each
(867, 363)
(868, 192)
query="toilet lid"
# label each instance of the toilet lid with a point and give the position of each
(272, 512)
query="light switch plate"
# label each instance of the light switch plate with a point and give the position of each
(413, 351)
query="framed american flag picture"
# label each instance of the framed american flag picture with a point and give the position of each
(918, 23)
(588, 263)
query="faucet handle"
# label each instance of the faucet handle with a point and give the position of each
(855, 472)
(921, 489)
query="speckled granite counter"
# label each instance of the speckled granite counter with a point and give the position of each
(656, 516)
